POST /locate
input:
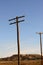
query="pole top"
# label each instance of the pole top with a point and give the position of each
(21, 16)
(39, 32)
(16, 18)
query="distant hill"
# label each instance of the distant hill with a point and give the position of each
(22, 57)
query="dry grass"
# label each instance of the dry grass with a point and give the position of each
(29, 62)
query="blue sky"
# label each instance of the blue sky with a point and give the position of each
(29, 40)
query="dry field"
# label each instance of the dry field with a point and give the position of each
(26, 62)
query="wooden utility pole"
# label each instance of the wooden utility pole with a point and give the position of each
(40, 44)
(18, 43)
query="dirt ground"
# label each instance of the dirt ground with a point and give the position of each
(26, 62)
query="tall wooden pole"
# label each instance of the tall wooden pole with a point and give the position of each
(40, 45)
(18, 43)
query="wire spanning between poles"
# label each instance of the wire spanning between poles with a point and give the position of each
(40, 44)
(18, 41)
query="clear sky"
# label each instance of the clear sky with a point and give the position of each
(29, 40)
